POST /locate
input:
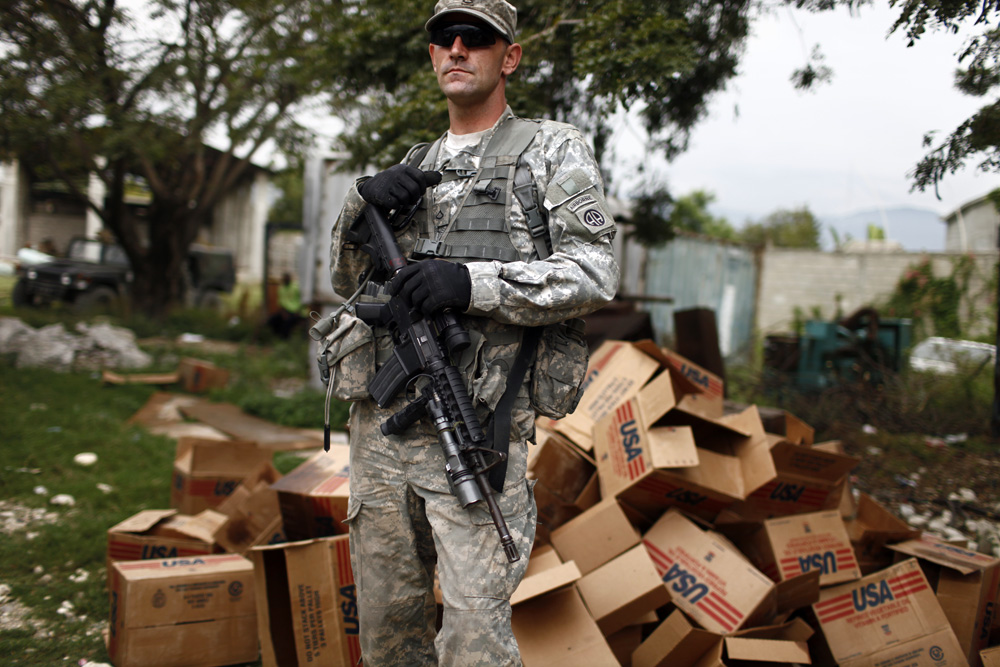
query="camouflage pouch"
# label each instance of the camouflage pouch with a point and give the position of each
(560, 369)
(346, 358)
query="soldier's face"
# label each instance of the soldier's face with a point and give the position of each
(471, 74)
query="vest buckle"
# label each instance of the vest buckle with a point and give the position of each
(428, 248)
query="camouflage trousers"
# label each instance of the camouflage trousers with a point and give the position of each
(403, 522)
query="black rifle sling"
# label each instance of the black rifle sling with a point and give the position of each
(498, 435)
(498, 432)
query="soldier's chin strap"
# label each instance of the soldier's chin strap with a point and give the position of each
(498, 436)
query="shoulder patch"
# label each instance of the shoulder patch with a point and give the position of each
(586, 215)
(581, 201)
(594, 218)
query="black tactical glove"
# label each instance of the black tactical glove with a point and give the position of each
(399, 185)
(433, 285)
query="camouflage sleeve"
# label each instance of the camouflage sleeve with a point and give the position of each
(581, 275)
(346, 264)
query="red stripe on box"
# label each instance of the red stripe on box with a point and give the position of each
(354, 644)
(724, 602)
(661, 560)
(332, 484)
(833, 601)
(913, 588)
(714, 614)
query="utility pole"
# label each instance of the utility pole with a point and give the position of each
(995, 417)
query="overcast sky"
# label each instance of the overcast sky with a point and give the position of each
(845, 147)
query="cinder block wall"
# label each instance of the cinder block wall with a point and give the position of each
(806, 278)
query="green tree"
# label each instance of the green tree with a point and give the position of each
(288, 207)
(795, 228)
(691, 213)
(582, 62)
(92, 87)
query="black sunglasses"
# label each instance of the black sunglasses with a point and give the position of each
(473, 36)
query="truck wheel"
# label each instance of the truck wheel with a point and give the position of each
(20, 295)
(99, 299)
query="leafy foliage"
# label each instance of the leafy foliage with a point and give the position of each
(288, 207)
(93, 87)
(794, 228)
(945, 306)
(582, 61)
(691, 213)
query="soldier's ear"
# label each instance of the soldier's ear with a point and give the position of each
(511, 59)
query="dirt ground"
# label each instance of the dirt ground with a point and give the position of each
(927, 477)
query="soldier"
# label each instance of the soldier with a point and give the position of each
(516, 235)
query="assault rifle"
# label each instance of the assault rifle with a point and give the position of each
(422, 356)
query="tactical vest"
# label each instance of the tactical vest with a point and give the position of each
(480, 229)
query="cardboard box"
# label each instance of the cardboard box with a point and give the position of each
(252, 512)
(307, 604)
(809, 478)
(677, 642)
(198, 376)
(596, 536)
(313, 497)
(565, 479)
(788, 427)
(990, 657)
(871, 529)
(623, 590)
(710, 384)
(624, 642)
(206, 471)
(182, 611)
(965, 583)
(546, 572)
(154, 534)
(706, 577)
(561, 466)
(787, 547)
(891, 617)
(649, 462)
(556, 630)
(617, 371)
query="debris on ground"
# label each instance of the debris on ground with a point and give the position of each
(85, 458)
(89, 347)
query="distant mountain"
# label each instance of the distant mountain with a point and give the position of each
(915, 228)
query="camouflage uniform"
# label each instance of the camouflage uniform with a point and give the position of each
(403, 518)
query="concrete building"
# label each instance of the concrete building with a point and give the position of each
(36, 215)
(973, 226)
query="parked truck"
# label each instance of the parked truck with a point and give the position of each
(95, 275)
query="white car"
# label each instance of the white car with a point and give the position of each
(944, 356)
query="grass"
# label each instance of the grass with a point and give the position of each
(46, 418)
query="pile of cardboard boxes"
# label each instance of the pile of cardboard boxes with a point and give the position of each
(672, 531)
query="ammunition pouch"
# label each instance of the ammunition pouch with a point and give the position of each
(560, 369)
(346, 358)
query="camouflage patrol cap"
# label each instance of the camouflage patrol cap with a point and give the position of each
(499, 14)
